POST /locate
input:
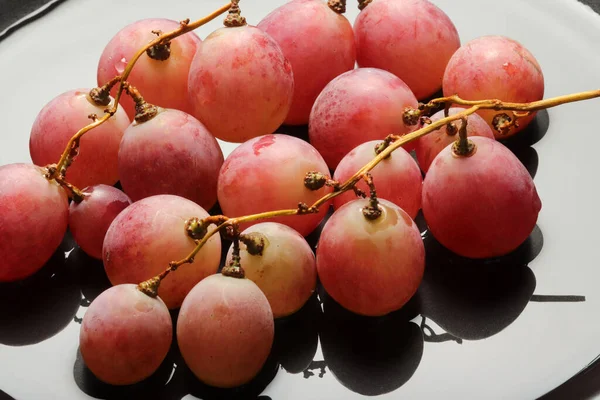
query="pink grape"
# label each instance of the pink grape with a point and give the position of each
(240, 84)
(413, 39)
(285, 271)
(225, 330)
(33, 220)
(360, 105)
(480, 206)
(150, 233)
(163, 83)
(60, 119)
(429, 146)
(125, 335)
(495, 67)
(89, 220)
(184, 156)
(370, 267)
(267, 173)
(329, 52)
(397, 178)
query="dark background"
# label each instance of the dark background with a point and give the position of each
(584, 386)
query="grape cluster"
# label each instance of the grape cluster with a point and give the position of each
(373, 133)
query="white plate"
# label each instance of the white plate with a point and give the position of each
(547, 344)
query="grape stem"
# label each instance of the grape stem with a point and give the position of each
(372, 211)
(363, 3)
(463, 147)
(393, 142)
(339, 6)
(184, 27)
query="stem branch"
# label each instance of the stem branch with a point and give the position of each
(394, 142)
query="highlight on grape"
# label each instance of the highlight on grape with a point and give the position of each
(375, 157)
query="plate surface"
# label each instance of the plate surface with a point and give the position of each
(514, 329)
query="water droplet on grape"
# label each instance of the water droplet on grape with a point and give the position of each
(120, 65)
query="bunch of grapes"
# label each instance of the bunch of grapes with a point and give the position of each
(378, 153)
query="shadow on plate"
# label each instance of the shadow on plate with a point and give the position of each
(476, 299)
(297, 337)
(39, 307)
(370, 355)
(90, 274)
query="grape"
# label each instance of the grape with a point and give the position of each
(150, 233)
(370, 267)
(413, 39)
(225, 330)
(267, 173)
(33, 220)
(240, 84)
(89, 220)
(125, 335)
(495, 67)
(360, 105)
(60, 119)
(480, 206)
(329, 52)
(163, 83)
(185, 156)
(429, 146)
(397, 178)
(285, 271)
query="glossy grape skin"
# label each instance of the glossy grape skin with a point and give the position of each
(397, 178)
(429, 146)
(163, 83)
(33, 220)
(147, 235)
(413, 39)
(89, 220)
(285, 271)
(370, 267)
(267, 173)
(60, 119)
(240, 84)
(329, 52)
(360, 105)
(225, 330)
(480, 206)
(125, 335)
(495, 67)
(173, 153)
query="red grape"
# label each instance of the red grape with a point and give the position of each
(329, 52)
(360, 105)
(413, 39)
(125, 335)
(150, 233)
(429, 146)
(370, 267)
(397, 178)
(495, 67)
(267, 173)
(163, 83)
(89, 220)
(186, 159)
(240, 84)
(60, 119)
(285, 271)
(480, 206)
(33, 220)
(225, 330)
